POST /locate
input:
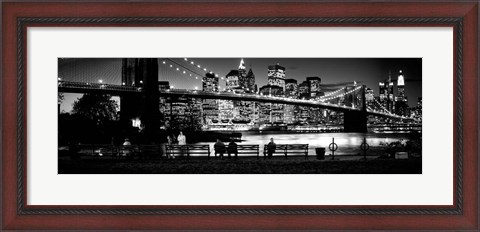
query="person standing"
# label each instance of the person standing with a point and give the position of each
(170, 139)
(182, 140)
(232, 149)
(219, 148)
(271, 148)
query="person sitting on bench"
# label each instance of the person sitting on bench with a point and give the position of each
(270, 148)
(232, 149)
(219, 148)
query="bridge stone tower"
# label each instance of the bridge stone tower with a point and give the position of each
(354, 120)
(142, 73)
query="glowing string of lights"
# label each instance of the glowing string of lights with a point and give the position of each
(331, 93)
(341, 95)
(383, 108)
(192, 63)
(180, 68)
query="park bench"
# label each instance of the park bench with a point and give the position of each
(188, 149)
(288, 149)
(108, 151)
(150, 151)
(136, 151)
(245, 149)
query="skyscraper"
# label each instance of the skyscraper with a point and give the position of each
(401, 85)
(314, 86)
(418, 110)
(369, 98)
(250, 82)
(271, 112)
(401, 101)
(242, 75)
(210, 106)
(233, 80)
(291, 91)
(304, 90)
(276, 76)
(291, 88)
(386, 96)
(210, 83)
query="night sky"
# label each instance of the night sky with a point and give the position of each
(369, 71)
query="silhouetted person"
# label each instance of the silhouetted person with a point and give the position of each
(270, 148)
(170, 141)
(219, 148)
(232, 149)
(127, 148)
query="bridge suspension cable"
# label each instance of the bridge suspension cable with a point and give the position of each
(189, 69)
(331, 93)
(198, 66)
(382, 107)
(341, 95)
(180, 68)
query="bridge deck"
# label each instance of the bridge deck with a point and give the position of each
(80, 87)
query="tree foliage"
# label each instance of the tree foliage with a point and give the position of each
(61, 97)
(99, 108)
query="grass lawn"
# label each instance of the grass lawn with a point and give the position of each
(244, 165)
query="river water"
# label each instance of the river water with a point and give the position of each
(348, 143)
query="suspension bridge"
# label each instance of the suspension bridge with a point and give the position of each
(136, 81)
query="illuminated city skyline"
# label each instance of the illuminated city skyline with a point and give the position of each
(369, 71)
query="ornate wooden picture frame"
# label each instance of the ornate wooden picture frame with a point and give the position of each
(461, 16)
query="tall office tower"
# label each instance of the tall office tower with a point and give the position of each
(291, 88)
(386, 96)
(250, 82)
(314, 86)
(418, 110)
(233, 80)
(304, 90)
(210, 106)
(391, 98)
(401, 85)
(242, 72)
(271, 112)
(369, 98)
(291, 91)
(210, 83)
(382, 92)
(210, 110)
(276, 76)
(401, 101)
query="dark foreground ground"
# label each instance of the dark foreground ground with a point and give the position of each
(244, 165)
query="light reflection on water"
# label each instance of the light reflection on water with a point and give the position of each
(348, 143)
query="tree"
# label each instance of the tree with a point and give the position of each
(99, 108)
(61, 97)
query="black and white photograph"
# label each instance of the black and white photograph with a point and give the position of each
(239, 115)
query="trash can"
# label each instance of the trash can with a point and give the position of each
(320, 153)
